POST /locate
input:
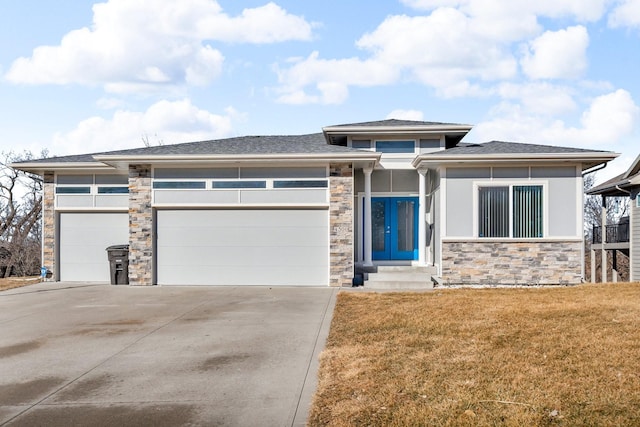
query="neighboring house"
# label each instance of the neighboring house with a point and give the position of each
(318, 209)
(625, 235)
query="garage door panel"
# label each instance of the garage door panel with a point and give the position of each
(238, 256)
(263, 276)
(83, 239)
(244, 218)
(230, 236)
(267, 247)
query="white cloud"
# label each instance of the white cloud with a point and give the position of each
(443, 50)
(540, 98)
(625, 14)
(134, 45)
(165, 121)
(582, 10)
(608, 119)
(406, 115)
(557, 54)
(330, 78)
(458, 47)
(266, 24)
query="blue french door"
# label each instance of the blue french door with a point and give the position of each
(394, 228)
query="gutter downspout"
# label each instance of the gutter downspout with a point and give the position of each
(623, 190)
(594, 169)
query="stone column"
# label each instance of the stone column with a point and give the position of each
(341, 224)
(140, 226)
(49, 224)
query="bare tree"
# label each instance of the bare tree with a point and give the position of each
(617, 207)
(148, 143)
(20, 215)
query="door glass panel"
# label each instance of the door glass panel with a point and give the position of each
(377, 226)
(405, 209)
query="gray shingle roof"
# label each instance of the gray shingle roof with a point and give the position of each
(395, 122)
(502, 147)
(285, 144)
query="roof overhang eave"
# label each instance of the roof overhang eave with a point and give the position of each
(39, 168)
(350, 130)
(614, 188)
(124, 161)
(587, 160)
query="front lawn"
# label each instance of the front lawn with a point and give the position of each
(17, 282)
(527, 356)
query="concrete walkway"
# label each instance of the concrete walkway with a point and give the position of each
(101, 355)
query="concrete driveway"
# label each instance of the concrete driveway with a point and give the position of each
(102, 355)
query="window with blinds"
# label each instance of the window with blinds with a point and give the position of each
(527, 211)
(516, 208)
(494, 212)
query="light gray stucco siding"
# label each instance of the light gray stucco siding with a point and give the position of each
(459, 199)
(74, 201)
(563, 199)
(635, 240)
(381, 181)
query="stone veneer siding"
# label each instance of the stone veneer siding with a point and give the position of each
(49, 224)
(341, 224)
(140, 226)
(511, 263)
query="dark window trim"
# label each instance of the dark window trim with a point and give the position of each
(179, 185)
(113, 190)
(300, 183)
(399, 146)
(218, 185)
(73, 190)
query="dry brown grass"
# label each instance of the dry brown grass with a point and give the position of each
(515, 357)
(17, 282)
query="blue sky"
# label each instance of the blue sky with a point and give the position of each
(82, 77)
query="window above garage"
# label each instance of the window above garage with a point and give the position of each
(241, 186)
(91, 191)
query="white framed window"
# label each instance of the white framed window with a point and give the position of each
(510, 210)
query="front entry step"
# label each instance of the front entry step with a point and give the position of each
(401, 277)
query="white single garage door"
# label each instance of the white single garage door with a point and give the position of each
(243, 247)
(83, 240)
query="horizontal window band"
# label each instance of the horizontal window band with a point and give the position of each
(179, 185)
(239, 184)
(300, 184)
(73, 190)
(113, 190)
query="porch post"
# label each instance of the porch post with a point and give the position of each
(593, 265)
(422, 214)
(603, 221)
(367, 216)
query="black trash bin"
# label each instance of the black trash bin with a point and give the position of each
(119, 264)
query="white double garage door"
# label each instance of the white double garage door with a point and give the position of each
(272, 247)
